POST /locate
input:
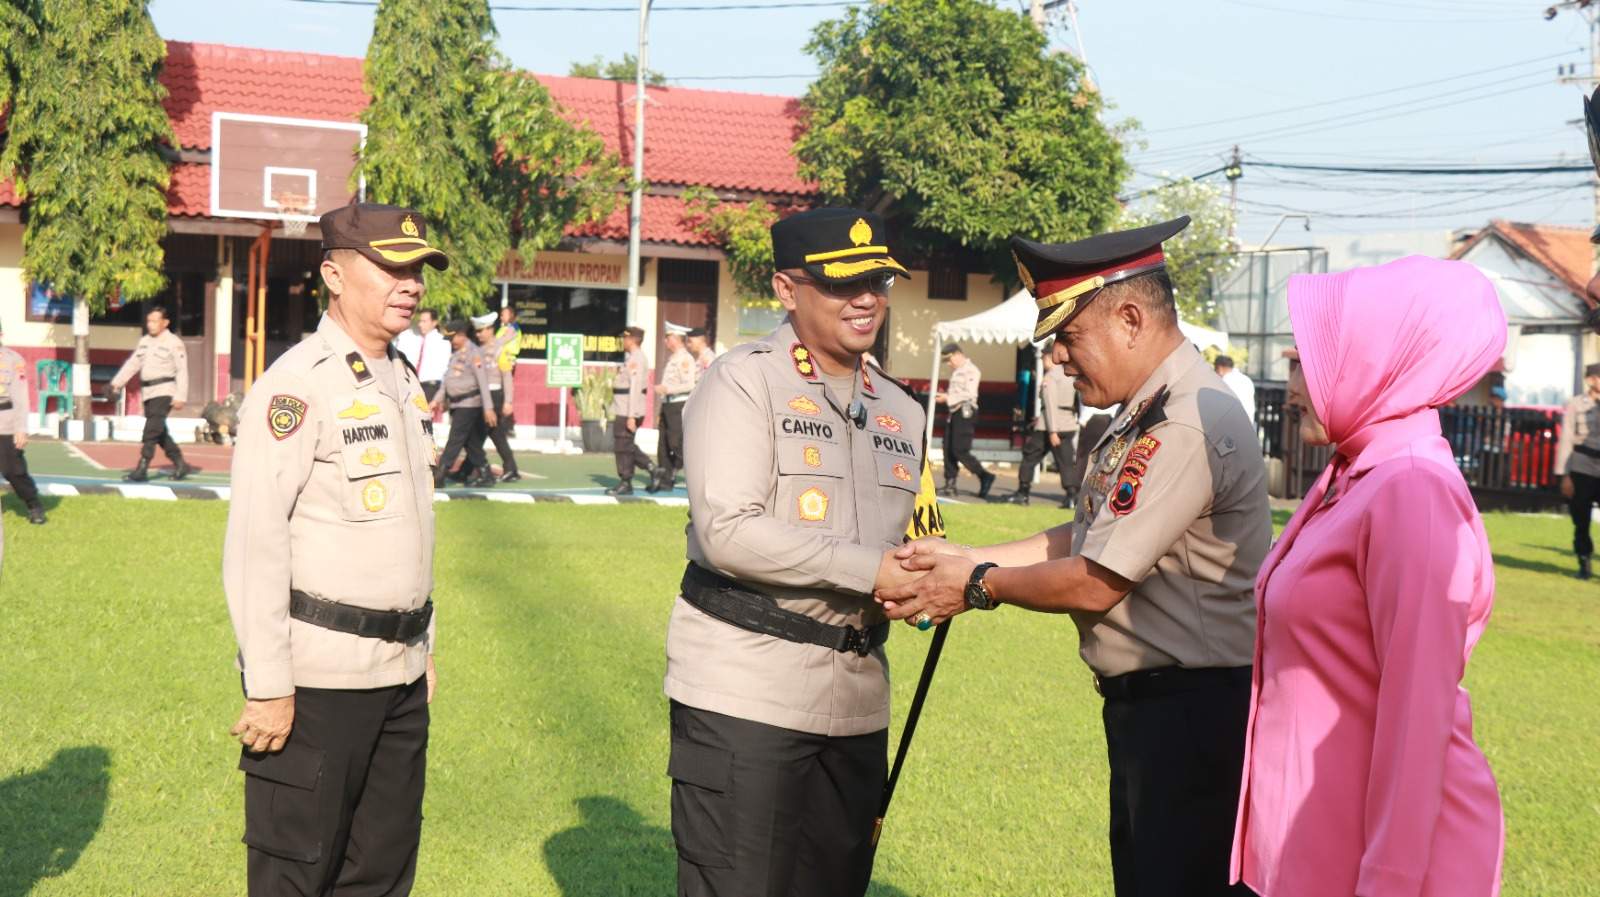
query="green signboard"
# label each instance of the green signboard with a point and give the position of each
(563, 359)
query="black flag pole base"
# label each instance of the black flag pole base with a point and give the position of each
(928, 666)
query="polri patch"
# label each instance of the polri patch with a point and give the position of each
(285, 414)
(1125, 495)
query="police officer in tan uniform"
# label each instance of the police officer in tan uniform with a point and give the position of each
(1053, 430)
(700, 347)
(14, 431)
(502, 396)
(628, 405)
(803, 466)
(677, 381)
(328, 568)
(961, 399)
(162, 366)
(472, 411)
(1578, 464)
(1157, 568)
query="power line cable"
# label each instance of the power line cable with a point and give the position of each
(1438, 170)
(1459, 20)
(727, 7)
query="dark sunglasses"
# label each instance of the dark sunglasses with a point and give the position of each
(878, 284)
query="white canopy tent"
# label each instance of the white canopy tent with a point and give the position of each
(1012, 321)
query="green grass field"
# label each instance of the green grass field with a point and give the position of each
(549, 740)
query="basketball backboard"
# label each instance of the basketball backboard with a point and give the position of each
(281, 169)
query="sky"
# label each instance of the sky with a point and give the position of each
(1348, 83)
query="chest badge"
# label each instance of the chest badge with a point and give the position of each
(813, 504)
(901, 473)
(421, 403)
(285, 414)
(374, 496)
(372, 457)
(803, 364)
(889, 423)
(812, 456)
(358, 410)
(804, 405)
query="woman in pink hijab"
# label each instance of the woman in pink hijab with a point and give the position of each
(1361, 775)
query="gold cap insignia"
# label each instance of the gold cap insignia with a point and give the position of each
(1022, 273)
(408, 227)
(861, 232)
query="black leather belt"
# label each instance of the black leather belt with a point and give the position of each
(157, 381)
(675, 399)
(463, 397)
(621, 392)
(389, 625)
(1164, 681)
(734, 604)
(1586, 451)
(5, 404)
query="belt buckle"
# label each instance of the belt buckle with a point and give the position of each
(858, 641)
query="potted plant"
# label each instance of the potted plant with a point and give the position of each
(594, 401)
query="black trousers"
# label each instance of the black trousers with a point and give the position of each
(500, 433)
(466, 433)
(155, 430)
(338, 812)
(14, 468)
(1088, 435)
(1175, 768)
(1585, 492)
(669, 454)
(762, 811)
(1033, 451)
(629, 455)
(958, 433)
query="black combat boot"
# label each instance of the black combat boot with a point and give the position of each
(949, 489)
(1583, 567)
(1019, 497)
(1070, 499)
(656, 476)
(36, 513)
(985, 484)
(139, 474)
(510, 476)
(623, 488)
(180, 467)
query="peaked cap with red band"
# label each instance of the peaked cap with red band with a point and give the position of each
(1064, 277)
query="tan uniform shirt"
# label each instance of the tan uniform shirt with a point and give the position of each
(628, 390)
(1581, 426)
(333, 496)
(703, 361)
(789, 496)
(156, 358)
(962, 394)
(466, 380)
(13, 393)
(1176, 501)
(678, 378)
(1057, 396)
(499, 379)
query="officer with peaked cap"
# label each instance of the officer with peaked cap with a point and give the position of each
(472, 411)
(328, 569)
(502, 399)
(960, 424)
(628, 406)
(1157, 567)
(677, 381)
(803, 466)
(1578, 464)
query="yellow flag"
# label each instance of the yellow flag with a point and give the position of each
(926, 518)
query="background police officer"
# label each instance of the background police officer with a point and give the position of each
(14, 431)
(700, 347)
(502, 395)
(466, 394)
(1578, 464)
(677, 381)
(328, 567)
(162, 366)
(1054, 429)
(628, 405)
(1157, 568)
(960, 425)
(803, 468)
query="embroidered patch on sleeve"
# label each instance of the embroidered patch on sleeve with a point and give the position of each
(1125, 495)
(285, 414)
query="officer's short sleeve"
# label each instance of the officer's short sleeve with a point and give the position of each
(1162, 487)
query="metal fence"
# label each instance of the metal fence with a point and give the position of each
(1506, 454)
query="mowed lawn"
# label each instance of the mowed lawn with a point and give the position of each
(549, 744)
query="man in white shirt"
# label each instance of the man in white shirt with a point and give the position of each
(427, 350)
(1242, 385)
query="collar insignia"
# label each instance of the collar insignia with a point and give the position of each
(803, 363)
(358, 367)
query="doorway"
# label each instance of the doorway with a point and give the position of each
(686, 295)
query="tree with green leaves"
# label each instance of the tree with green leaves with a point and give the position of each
(745, 232)
(626, 69)
(474, 144)
(83, 145)
(954, 119)
(1199, 255)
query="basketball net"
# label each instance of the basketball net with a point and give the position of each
(293, 204)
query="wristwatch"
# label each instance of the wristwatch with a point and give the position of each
(978, 595)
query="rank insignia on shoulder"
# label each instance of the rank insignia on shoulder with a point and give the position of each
(812, 456)
(285, 414)
(802, 361)
(358, 367)
(374, 496)
(372, 457)
(358, 410)
(889, 423)
(804, 405)
(813, 504)
(866, 379)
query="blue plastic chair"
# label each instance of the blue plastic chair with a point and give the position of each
(55, 382)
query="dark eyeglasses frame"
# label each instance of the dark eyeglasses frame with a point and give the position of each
(878, 284)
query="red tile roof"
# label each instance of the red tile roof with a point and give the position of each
(206, 78)
(8, 196)
(1564, 251)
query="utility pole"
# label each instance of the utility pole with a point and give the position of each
(636, 207)
(1039, 12)
(1590, 11)
(1233, 173)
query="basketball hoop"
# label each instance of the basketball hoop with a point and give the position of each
(293, 204)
